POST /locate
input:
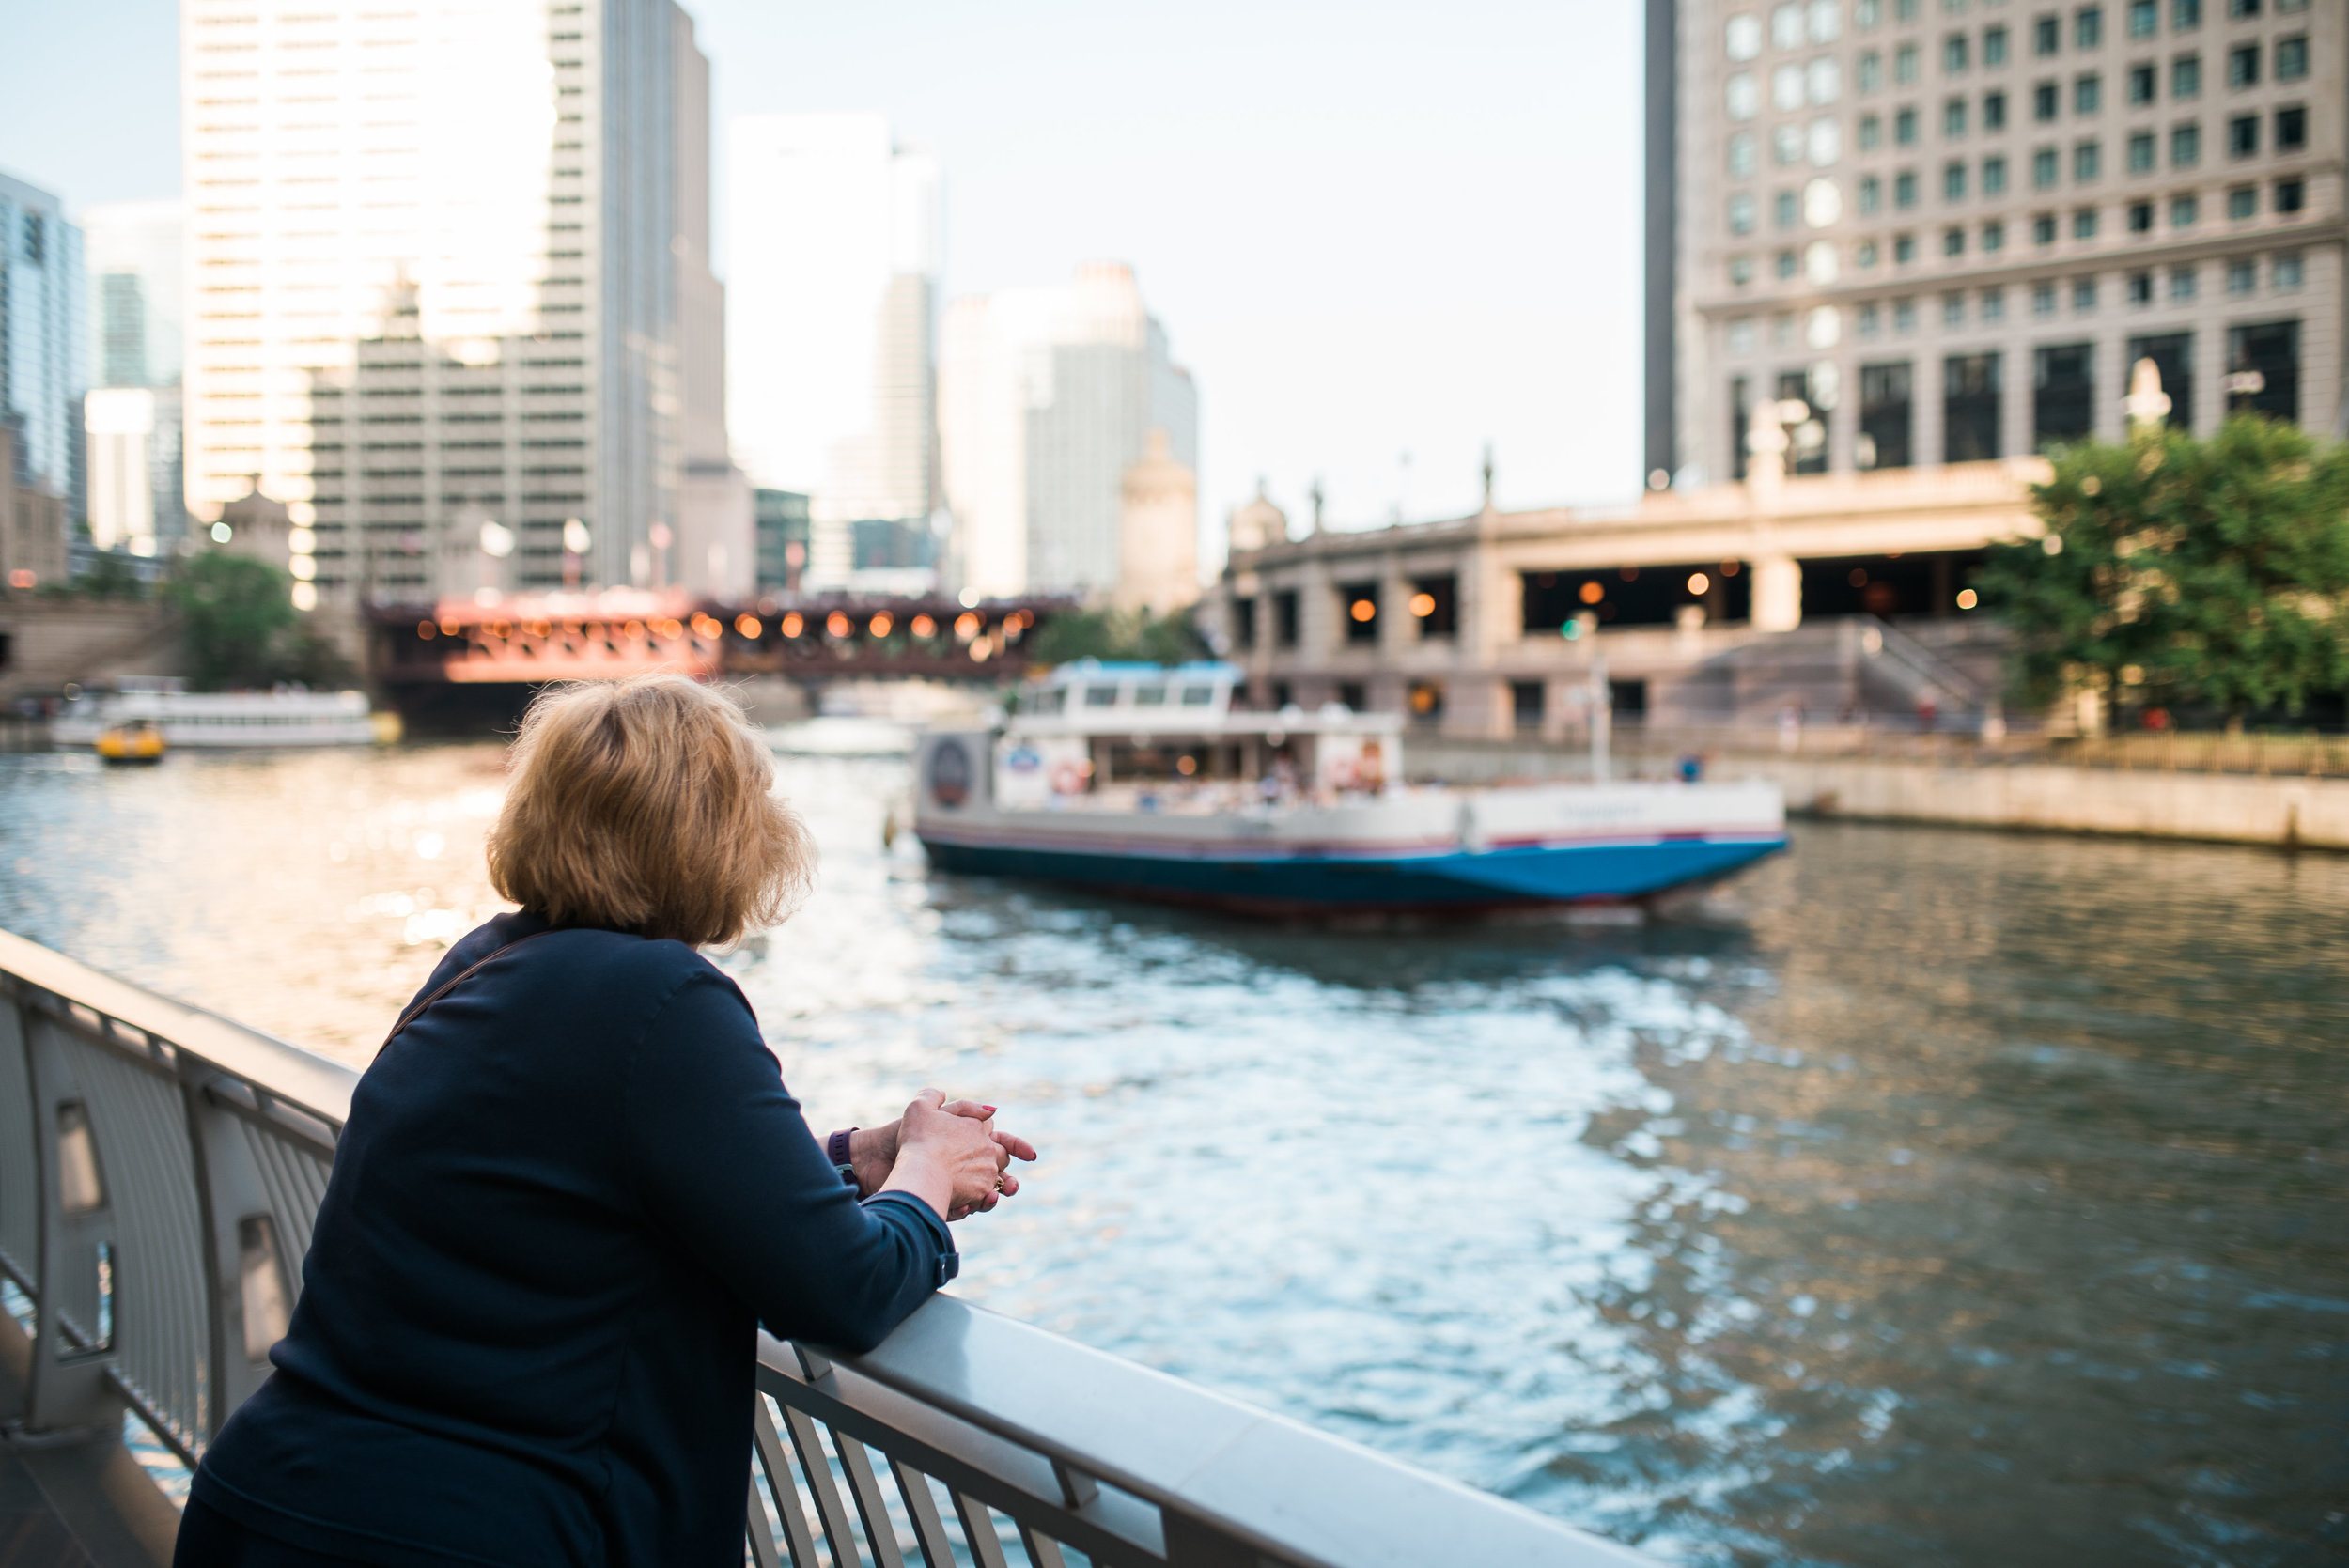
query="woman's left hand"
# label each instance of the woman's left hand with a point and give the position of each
(873, 1151)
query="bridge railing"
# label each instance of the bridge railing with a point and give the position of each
(159, 1168)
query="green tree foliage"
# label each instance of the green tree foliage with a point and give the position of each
(110, 575)
(1116, 634)
(2179, 572)
(239, 619)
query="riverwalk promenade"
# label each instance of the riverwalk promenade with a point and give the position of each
(2290, 791)
(159, 1168)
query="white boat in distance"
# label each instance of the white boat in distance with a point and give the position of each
(1145, 781)
(200, 719)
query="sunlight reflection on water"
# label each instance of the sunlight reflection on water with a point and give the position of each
(1933, 1197)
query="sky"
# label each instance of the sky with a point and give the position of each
(1379, 235)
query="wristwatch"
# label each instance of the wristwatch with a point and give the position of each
(836, 1150)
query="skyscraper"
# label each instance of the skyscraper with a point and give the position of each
(1047, 396)
(439, 254)
(132, 415)
(43, 358)
(1949, 230)
(833, 266)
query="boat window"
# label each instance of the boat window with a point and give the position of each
(1149, 696)
(1054, 699)
(1100, 696)
(1198, 696)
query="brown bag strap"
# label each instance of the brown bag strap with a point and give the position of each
(416, 1010)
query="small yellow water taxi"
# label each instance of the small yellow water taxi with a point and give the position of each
(139, 743)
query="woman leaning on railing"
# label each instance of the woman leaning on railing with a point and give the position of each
(573, 1183)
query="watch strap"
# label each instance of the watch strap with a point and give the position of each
(836, 1150)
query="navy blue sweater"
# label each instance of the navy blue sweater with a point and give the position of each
(525, 1334)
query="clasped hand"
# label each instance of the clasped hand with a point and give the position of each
(946, 1152)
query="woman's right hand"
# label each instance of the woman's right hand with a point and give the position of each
(953, 1163)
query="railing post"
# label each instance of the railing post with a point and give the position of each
(66, 1389)
(249, 1283)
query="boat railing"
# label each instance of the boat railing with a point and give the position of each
(160, 1169)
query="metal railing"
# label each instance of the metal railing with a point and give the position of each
(159, 1168)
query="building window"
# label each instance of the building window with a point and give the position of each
(1740, 418)
(1525, 703)
(1786, 88)
(1866, 253)
(2063, 394)
(1970, 408)
(2141, 153)
(1903, 249)
(1994, 176)
(1786, 26)
(1741, 155)
(1871, 132)
(2184, 15)
(1905, 187)
(2290, 271)
(1786, 265)
(1953, 242)
(2291, 195)
(2292, 130)
(1904, 64)
(2184, 211)
(1358, 603)
(1954, 182)
(2045, 168)
(2141, 290)
(1904, 316)
(2046, 35)
(1994, 237)
(2043, 229)
(1953, 117)
(2243, 202)
(2243, 66)
(2088, 94)
(2047, 102)
(1823, 80)
(2087, 27)
(1786, 144)
(1993, 46)
(2242, 276)
(2185, 282)
(1953, 55)
(1243, 623)
(1435, 604)
(2264, 369)
(1824, 142)
(1871, 72)
(2084, 222)
(1871, 193)
(2140, 217)
(1905, 128)
(2144, 17)
(1954, 310)
(1740, 270)
(1885, 416)
(2186, 146)
(2238, 9)
(1994, 305)
(1870, 321)
(1785, 209)
(2186, 76)
(1284, 618)
(2043, 299)
(1744, 36)
(2172, 354)
(1741, 212)
(2292, 58)
(2083, 296)
(2087, 161)
(2144, 83)
(1994, 111)
(1742, 98)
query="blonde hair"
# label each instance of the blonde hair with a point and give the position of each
(642, 805)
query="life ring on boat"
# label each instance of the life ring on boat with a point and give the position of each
(1068, 779)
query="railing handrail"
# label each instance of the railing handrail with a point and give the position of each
(317, 1085)
(1200, 1453)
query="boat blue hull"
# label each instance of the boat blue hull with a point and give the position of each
(1570, 874)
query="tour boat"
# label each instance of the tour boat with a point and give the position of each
(217, 719)
(1145, 780)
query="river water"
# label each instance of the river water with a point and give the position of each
(1925, 1197)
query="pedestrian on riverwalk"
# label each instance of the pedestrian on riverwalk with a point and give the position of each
(573, 1186)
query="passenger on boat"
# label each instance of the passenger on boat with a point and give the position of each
(573, 1186)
